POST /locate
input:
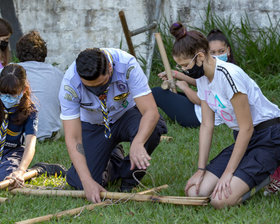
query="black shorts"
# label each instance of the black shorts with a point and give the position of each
(260, 160)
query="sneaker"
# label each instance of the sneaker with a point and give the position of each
(128, 184)
(127, 187)
(274, 185)
(114, 162)
(50, 169)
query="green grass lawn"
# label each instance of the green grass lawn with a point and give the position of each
(172, 163)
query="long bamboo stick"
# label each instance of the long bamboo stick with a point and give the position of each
(26, 176)
(119, 196)
(166, 64)
(153, 190)
(75, 211)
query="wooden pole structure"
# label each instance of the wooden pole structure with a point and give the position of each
(75, 211)
(127, 33)
(170, 83)
(75, 193)
(119, 196)
(26, 176)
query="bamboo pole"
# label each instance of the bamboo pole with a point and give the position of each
(26, 176)
(73, 193)
(153, 190)
(75, 211)
(119, 196)
(170, 83)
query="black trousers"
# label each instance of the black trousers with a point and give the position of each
(98, 149)
(10, 161)
(177, 106)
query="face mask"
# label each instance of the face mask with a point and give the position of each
(3, 45)
(10, 101)
(99, 90)
(222, 57)
(195, 72)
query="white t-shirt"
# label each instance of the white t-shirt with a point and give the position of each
(228, 80)
(197, 109)
(45, 80)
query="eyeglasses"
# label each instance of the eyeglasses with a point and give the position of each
(185, 67)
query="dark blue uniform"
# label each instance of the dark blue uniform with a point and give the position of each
(14, 146)
(128, 82)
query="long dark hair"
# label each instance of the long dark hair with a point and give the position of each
(216, 34)
(5, 30)
(187, 43)
(13, 81)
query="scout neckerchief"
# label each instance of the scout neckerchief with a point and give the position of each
(103, 98)
(108, 56)
(4, 128)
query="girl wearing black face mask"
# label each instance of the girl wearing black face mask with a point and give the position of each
(227, 91)
(5, 33)
(184, 107)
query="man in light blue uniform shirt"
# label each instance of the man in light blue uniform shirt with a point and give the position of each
(105, 99)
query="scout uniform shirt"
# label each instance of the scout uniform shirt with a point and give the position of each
(228, 80)
(14, 137)
(128, 82)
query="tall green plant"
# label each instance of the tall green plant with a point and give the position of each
(256, 49)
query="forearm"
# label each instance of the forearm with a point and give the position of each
(192, 95)
(28, 153)
(77, 156)
(183, 77)
(240, 147)
(205, 139)
(244, 118)
(147, 125)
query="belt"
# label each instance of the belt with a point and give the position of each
(266, 124)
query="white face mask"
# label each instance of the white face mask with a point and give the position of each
(10, 101)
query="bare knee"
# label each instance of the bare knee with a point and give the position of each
(192, 192)
(220, 204)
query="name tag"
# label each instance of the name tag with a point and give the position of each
(121, 96)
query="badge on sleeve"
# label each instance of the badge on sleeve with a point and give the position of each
(128, 71)
(68, 97)
(71, 93)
